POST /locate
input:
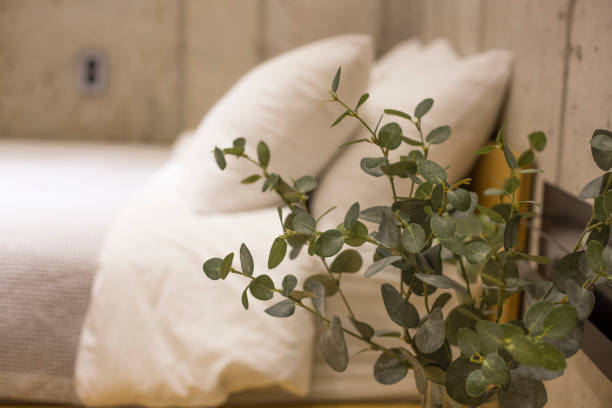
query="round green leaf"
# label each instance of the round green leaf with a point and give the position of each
(560, 322)
(476, 384)
(423, 107)
(476, 252)
(439, 135)
(333, 346)
(429, 336)
(289, 283)
(568, 268)
(347, 261)
(305, 184)
(245, 299)
(461, 316)
(443, 227)
(523, 392)
(582, 299)
(491, 335)
(262, 287)
(226, 265)
(400, 311)
(537, 141)
(212, 268)
(468, 341)
(277, 253)
(388, 369)
(413, 238)
(390, 136)
(431, 171)
(329, 284)
(460, 199)
(329, 243)
(534, 318)
(251, 179)
(363, 328)
(495, 369)
(304, 223)
(372, 165)
(284, 308)
(601, 148)
(456, 382)
(550, 357)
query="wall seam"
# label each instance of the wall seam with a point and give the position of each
(260, 41)
(567, 53)
(181, 67)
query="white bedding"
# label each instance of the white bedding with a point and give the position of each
(58, 199)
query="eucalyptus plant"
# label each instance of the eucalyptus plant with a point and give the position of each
(438, 223)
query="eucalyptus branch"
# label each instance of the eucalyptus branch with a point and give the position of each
(337, 280)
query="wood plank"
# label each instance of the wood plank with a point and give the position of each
(589, 92)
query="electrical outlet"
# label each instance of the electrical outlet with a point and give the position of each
(92, 72)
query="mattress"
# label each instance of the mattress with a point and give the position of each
(58, 199)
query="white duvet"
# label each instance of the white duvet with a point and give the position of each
(158, 332)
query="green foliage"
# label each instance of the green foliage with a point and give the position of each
(506, 360)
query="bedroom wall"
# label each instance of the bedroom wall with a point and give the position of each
(167, 61)
(562, 84)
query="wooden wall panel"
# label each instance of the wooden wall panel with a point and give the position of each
(589, 91)
(536, 33)
(290, 23)
(221, 43)
(458, 21)
(39, 45)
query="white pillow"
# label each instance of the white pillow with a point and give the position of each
(396, 58)
(467, 96)
(281, 103)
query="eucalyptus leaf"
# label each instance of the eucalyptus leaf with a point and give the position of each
(468, 341)
(304, 223)
(289, 283)
(523, 392)
(399, 310)
(251, 179)
(284, 308)
(601, 148)
(372, 165)
(390, 136)
(398, 113)
(333, 345)
(388, 232)
(226, 265)
(318, 300)
(429, 336)
(363, 328)
(511, 232)
(413, 238)
(491, 335)
(560, 322)
(305, 184)
(460, 199)
(568, 268)
(329, 243)
(245, 299)
(277, 252)
(423, 107)
(442, 282)
(380, 265)
(485, 150)
(262, 287)
(534, 318)
(550, 357)
(593, 187)
(329, 283)
(351, 217)
(460, 316)
(443, 227)
(263, 154)
(347, 261)
(582, 299)
(495, 370)
(388, 369)
(431, 171)
(441, 300)
(212, 268)
(537, 140)
(456, 382)
(336, 80)
(439, 135)
(523, 350)
(246, 260)
(476, 252)
(362, 100)
(476, 383)
(220, 158)
(510, 159)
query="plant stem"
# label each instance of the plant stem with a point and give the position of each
(337, 280)
(465, 277)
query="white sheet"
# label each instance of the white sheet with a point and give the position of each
(159, 333)
(58, 199)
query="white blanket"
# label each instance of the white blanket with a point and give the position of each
(158, 332)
